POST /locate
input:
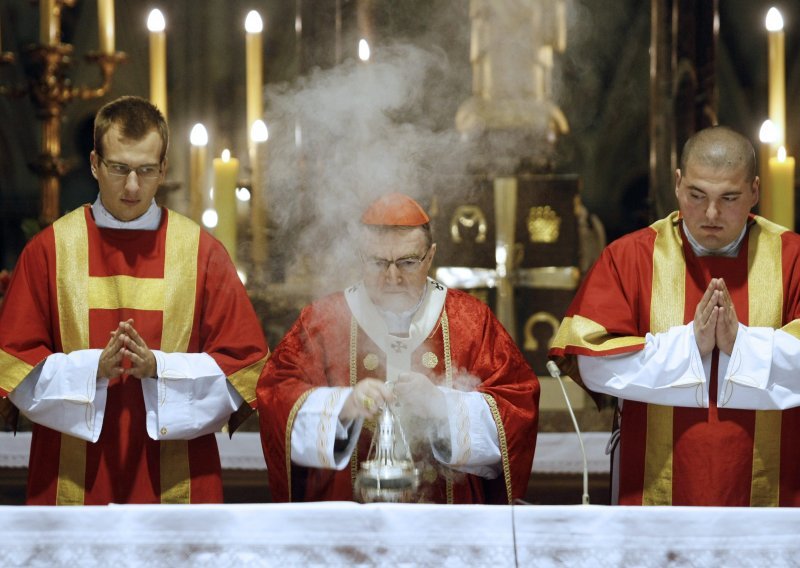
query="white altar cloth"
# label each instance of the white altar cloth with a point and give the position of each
(347, 534)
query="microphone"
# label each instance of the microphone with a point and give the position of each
(555, 372)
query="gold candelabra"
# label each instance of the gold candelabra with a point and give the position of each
(50, 89)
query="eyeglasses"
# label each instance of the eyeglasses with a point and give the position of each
(148, 171)
(407, 265)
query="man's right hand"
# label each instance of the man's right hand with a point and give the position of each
(705, 319)
(367, 398)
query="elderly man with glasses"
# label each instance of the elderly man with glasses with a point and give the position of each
(462, 391)
(126, 336)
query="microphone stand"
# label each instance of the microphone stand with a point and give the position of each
(555, 372)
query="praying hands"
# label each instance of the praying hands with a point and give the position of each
(126, 343)
(715, 321)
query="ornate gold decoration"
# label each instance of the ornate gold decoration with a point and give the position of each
(430, 360)
(544, 224)
(371, 361)
(539, 317)
(468, 216)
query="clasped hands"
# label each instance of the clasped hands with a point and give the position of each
(414, 391)
(126, 343)
(715, 321)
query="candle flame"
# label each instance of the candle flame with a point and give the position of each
(259, 131)
(210, 218)
(198, 135)
(363, 50)
(243, 194)
(298, 24)
(768, 132)
(774, 20)
(782, 154)
(226, 155)
(253, 23)
(155, 21)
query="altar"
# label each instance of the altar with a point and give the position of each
(348, 534)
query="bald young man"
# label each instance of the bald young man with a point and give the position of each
(466, 398)
(692, 323)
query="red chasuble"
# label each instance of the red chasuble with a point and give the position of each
(72, 285)
(650, 281)
(326, 347)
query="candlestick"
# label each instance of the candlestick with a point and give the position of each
(105, 18)
(777, 75)
(158, 60)
(197, 170)
(766, 136)
(781, 185)
(48, 16)
(255, 82)
(259, 135)
(226, 172)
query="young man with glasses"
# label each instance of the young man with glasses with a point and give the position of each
(464, 394)
(127, 337)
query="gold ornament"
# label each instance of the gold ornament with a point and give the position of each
(430, 360)
(371, 361)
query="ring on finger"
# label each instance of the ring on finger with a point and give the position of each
(367, 402)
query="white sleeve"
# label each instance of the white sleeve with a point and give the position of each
(668, 371)
(472, 433)
(317, 427)
(64, 394)
(191, 397)
(763, 372)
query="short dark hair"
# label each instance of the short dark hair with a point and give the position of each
(135, 116)
(720, 147)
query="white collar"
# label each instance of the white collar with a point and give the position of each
(149, 221)
(730, 250)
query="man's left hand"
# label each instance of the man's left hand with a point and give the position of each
(420, 396)
(727, 322)
(143, 362)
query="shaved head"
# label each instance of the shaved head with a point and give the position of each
(720, 147)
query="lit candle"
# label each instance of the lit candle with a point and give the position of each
(259, 134)
(197, 170)
(777, 75)
(105, 17)
(226, 172)
(47, 22)
(255, 83)
(781, 185)
(363, 50)
(767, 136)
(158, 60)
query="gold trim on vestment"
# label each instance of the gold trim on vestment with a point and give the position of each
(72, 283)
(353, 365)
(765, 306)
(583, 332)
(667, 303)
(14, 371)
(244, 380)
(448, 374)
(501, 436)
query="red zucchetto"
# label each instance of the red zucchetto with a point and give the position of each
(395, 209)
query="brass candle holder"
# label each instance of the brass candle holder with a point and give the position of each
(50, 89)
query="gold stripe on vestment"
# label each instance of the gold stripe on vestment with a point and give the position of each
(667, 304)
(72, 284)
(353, 365)
(244, 380)
(181, 251)
(765, 306)
(583, 332)
(121, 291)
